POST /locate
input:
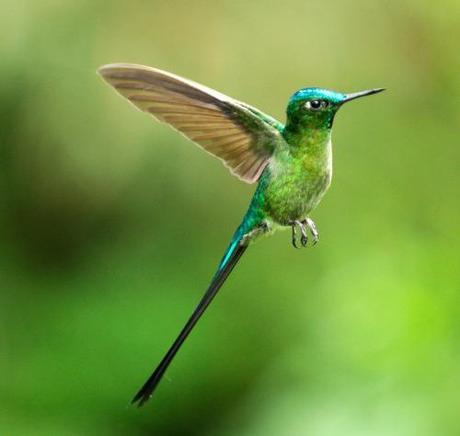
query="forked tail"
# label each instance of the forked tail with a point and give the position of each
(232, 255)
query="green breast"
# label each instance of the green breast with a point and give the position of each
(296, 179)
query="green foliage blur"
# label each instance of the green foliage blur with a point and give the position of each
(111, 225)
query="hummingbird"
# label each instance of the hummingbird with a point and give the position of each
(291, 163)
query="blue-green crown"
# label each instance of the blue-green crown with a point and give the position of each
(318, 94)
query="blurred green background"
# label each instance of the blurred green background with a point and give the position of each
(111, 225)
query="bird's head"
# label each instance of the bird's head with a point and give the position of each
(315, 108)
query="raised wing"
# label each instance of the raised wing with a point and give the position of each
(241, 136)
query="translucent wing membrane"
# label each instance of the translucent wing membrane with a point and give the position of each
(241, 136)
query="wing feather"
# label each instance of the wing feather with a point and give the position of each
(241, 136)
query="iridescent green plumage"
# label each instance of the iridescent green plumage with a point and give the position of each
(292, 164)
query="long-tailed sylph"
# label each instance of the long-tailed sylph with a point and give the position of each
(291, 163)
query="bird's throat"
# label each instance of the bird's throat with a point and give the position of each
(308, 143)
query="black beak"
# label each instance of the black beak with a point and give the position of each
(349, 97)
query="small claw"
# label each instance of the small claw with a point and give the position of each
(304, 237)
(304, 240)
(294, 236)
(315, 238)
(314, 232)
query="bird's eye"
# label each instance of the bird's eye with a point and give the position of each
(316, 104)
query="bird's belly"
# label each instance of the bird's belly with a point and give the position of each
(293, 198)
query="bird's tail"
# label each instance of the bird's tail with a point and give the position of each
(235, 250)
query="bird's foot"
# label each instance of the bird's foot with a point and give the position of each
(303, 225)
(303, 234)
(313, 230)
